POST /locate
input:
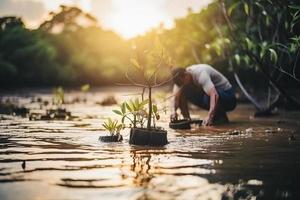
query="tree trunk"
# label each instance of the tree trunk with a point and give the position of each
(248, 96)
(149, 108)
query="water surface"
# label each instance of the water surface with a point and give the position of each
(65, 160)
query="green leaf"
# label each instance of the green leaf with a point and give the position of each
(268, 19)
(115, 124)
(246, 8)
(249, 43)
(263, 50)
(123, 108)
(259, 5)
(232, 7)
(297, 7)
(117, 112)
(237, 59)
(227, 40)
(274, 56)
(247, 60)
(105, 125)
(133, 105)
(154, 108)
(262, 53)
(136, 102)
(128, 107)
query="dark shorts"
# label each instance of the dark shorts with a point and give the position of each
(197, 96)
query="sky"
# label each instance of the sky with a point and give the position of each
(126, 17)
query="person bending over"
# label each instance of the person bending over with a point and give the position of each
(205, 87)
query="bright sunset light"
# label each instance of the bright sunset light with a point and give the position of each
(126, 17)
(134, 17)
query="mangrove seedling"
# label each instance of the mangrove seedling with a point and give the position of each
(58, 113)
(58, 96)
(147, 71)
(114, 128)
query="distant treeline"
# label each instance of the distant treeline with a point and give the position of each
(63, 51)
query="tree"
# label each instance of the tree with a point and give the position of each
(67, 19)
(264, 35)
(147, 68)
(25, 55)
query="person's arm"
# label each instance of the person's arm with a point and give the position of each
(214, 98)
(175, 102)
(209, 88)
(184, 107)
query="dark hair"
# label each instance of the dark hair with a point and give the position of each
(177, 74)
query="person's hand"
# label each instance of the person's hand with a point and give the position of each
(174, 117)
(207, 121)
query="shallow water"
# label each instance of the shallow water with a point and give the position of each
(65, 160)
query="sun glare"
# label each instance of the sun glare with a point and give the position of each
(133, 17)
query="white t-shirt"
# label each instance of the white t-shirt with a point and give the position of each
(207, 77)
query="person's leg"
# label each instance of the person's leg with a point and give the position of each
(227, 99)
(196, 96)
(220, 116)
(199, 98)
(227, 102)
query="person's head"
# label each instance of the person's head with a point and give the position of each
(181, 77)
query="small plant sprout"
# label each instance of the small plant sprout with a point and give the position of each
(85, 88)
(58, 96)
(113, 127)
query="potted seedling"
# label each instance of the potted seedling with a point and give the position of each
(135, 111)
(9, 108)
(148, 81)
(58, 113)
(58, 100)
(114, 128)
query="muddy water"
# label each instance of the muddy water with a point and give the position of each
(65, 160)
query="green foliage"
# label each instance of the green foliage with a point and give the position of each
(264, 31)
(68, 18)
(113, 126)
(73, 56)
(134, 111)
(25, 55)
(266, 34)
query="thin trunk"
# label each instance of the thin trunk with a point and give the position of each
(248, 96)
(150, 108)
(143, 94)
(134, 121)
